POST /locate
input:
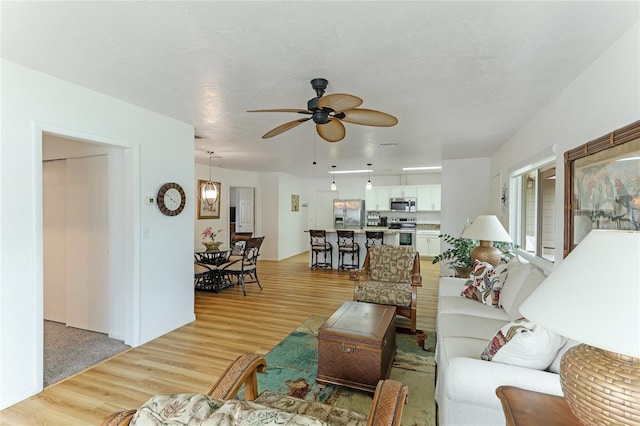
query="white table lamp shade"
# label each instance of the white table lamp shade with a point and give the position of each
(487, 228)
(593, 296)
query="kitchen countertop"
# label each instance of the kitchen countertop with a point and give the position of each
(386, 230)
(362, 231)
(428, 227)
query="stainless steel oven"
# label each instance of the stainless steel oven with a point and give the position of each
(407, 237)
(406, 227)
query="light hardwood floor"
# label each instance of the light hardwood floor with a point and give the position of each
(191, 358)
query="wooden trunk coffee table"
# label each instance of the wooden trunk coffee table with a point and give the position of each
(356, 346)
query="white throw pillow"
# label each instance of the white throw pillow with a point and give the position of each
(555, 365)
(524, 344)
(531, 282)
(518, 272)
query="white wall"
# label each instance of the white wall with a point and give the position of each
(605, 97)
(283, 229)
(155, 250)
(466, 193)
(227, 178)
(293, 240)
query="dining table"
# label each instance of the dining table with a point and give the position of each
(214, 280)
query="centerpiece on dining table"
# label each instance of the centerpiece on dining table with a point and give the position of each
(209, 239)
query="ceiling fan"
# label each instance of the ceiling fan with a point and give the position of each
(328, 112)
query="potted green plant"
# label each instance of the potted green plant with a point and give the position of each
(458, 255)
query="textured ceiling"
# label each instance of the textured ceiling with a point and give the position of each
(460, 76)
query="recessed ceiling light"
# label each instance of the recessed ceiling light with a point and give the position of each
(422, 168)
(341, 172)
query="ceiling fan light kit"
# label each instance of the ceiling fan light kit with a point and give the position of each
(328, 113)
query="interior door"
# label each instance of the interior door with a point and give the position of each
(245, 210)
(87, 243)
(54, 204)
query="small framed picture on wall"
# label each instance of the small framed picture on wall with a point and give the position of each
(206, 210)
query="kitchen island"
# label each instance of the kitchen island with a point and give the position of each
(390, 238)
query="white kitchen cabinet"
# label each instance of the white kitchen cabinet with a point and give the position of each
(410, 191)
(429, 197)
(377, 198)
(383, 197)
(371, 199)
(422, 244)
(403, 191)
(395, 191)
(428, 243)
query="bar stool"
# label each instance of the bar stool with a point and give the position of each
(320, 245)
(373, 238)
(348, 246)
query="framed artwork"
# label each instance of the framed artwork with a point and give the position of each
(295, 203)
(602, 185)
(205, 211)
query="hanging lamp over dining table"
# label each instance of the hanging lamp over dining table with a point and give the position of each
(209, 190)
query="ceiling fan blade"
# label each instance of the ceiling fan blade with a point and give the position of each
(284, 127)
(369, 117)
(339, 101)
(333, 131)
(299, 111)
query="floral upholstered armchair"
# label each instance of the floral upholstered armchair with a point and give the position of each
(390, 276)
(219, 407)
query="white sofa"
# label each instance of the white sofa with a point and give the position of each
(465, 384)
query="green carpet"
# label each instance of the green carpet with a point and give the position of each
(292, 367)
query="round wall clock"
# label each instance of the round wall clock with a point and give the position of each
(171, 199)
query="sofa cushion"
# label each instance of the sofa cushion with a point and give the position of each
(450, 286)
(385, 293)
(525, 344)
(518, 272)
(461, 305)
(247, 413)
(327, 413)
(391, 263)
(513, 298)
(461, 325)
(452, 347)
(485, 283)
(184, 408)
(201, 410)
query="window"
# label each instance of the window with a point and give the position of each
(534, 192)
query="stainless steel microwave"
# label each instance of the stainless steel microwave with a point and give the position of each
(405, 204)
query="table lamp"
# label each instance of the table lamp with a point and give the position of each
(593, 296)
(486, 228)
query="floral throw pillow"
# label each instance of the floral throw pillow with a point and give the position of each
(485, 283)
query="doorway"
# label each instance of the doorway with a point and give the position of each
(87, 255)
(241, 210)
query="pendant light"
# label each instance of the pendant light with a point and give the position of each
(333, 184)
(369, 185)
(209, 190)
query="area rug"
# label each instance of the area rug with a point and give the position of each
(292, 367)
